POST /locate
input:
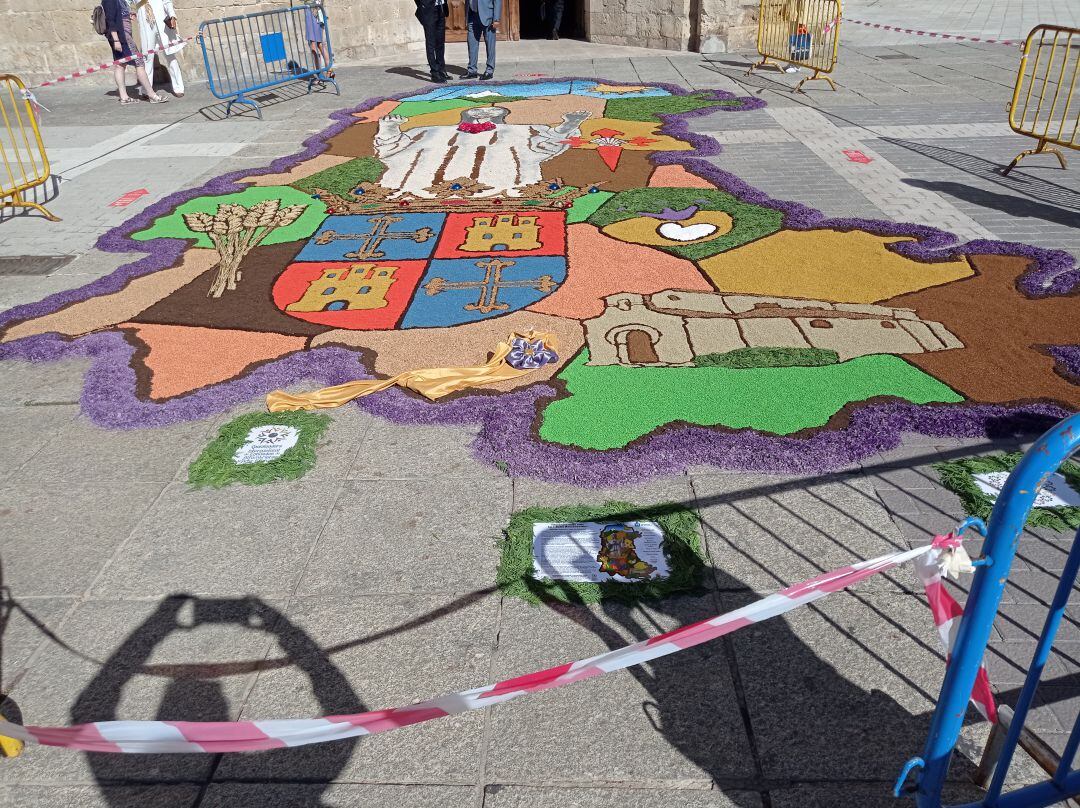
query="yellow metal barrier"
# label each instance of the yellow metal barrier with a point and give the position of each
(23, 162)
(1043, 105)
(800, 32)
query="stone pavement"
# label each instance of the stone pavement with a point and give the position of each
(375, 572)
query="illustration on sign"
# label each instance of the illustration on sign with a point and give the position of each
(596, 551)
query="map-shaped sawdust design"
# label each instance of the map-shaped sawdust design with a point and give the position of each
(698, 320)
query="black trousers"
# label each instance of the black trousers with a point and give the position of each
(554, 14)
(434, 22)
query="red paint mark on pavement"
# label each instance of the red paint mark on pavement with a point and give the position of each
(128, 198)
(856, 156)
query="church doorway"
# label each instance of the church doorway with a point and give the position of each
(537, 17)
(510, 29)
(636, 347)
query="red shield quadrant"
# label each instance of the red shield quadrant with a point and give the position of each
(357, 295)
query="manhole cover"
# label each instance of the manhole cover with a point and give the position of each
(33, 264)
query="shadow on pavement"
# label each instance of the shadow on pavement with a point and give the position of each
(194, 697)
(1006, 203)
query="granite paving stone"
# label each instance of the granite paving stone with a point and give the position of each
(651, 713)
(238, 539)
(393, 651)
(57, 538)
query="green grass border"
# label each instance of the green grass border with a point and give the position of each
(957, 476)
(214, 467)
(682, 545)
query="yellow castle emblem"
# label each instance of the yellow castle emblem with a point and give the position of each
(361, 286)
(507, 231)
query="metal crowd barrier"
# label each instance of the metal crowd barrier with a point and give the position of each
(25, 163)
(1043, 105)
(1002, 537)
(253, 52)
(800, 32)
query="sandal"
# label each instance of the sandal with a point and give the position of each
(158, 99)
(129, 100)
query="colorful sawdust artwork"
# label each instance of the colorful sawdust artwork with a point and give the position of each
(260, 448)
(588, 553)
(978, 482)
(689, 317)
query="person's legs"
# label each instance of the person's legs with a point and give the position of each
(474, 28)
(121, 83)
(148, 62)
(176, 76)
(144, 81)
(555, 13)
(489, 50)
(440, 43)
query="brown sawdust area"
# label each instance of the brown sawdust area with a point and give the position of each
(1004, 332)
(583, 167)
(108, 310)
(460, 345)
(357, 140)
(248, 307)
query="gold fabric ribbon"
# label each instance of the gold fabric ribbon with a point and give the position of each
(432, 383)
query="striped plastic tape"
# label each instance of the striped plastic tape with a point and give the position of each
(245, 736)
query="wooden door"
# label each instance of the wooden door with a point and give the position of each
(510, 25)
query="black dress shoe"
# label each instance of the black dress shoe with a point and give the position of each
(438, 78)
(487, 75)
(445, 75)
(472, 74)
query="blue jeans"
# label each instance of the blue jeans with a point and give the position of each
(477, 29)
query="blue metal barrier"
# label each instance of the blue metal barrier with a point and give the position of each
(1004, 531)
(256, 51)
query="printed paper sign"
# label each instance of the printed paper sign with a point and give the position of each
(265, 443)
(599, 551)
(1055, 493)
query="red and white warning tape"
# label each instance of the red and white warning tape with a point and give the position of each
(244, 736)
(106, 65)
(934, 33)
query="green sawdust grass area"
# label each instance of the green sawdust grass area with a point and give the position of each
(409, 109)
(609, 406)
(749, 222)
(769, 358)
(215, 468)
(343, 179)
(957, 476)
(586, 205)
(649, 108)
(172, 225)
(682, 546)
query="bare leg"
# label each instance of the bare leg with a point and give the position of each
(121, 83)
(144, 80)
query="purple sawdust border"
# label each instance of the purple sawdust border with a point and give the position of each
(506, 420)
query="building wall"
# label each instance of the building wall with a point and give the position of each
(727, 25)
(48, 38)
(644, 23)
